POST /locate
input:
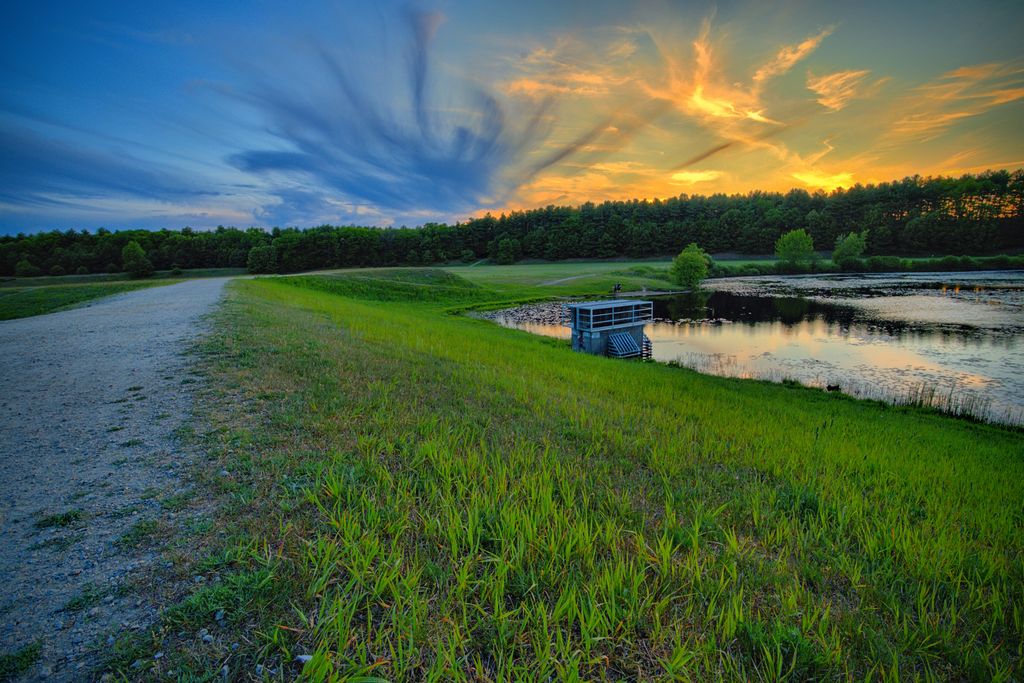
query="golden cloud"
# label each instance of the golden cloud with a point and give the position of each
(959, 94)
(835, 90)
(692, 177)
(789, 55)
(824, 181)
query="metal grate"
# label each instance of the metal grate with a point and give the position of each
(622, 345)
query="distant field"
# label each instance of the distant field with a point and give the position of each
(24, 297)
(22, 302)
(414, 495)
(46, 280)
(552, 279)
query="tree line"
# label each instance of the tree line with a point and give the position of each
(972, 214)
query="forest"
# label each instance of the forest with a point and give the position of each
(973, 214)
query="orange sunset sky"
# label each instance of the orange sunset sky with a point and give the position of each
(203, 114)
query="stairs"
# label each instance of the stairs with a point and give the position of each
(646, 348)
(622, 345)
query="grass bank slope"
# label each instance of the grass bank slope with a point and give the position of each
(413, 495)
(22, 302)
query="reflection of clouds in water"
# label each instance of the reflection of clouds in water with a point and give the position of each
(981, 369)
(982, 299)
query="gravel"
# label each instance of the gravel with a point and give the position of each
(92, 398)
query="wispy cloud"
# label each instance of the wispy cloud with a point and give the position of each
(571, 65)
(418, 149)
(835, 90)
(969, 91)
(37, 169)
(788, 56)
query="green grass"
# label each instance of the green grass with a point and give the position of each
(90, 596)
(60, 520)
(416, 495)
(143, 531)
(98, 278)
(20, 661)
(22, 302)
(559, 279)
(58, 543)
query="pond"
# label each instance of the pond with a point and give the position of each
(952, 340)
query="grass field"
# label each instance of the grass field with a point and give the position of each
(95, 278)
(22, 302)
(24, 297)
(553, 278)
(408, 494)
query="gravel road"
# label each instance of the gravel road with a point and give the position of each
(91, 400)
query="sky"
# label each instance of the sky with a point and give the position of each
(260, 113)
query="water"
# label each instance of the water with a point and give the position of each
(953, 340)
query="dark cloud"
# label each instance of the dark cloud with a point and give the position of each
(405, 144)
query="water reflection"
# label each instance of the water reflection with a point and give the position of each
(882, 340)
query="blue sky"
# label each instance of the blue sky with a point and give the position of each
(265, 113)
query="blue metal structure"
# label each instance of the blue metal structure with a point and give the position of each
(613, 327)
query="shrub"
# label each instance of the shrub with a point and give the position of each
(690, 267)
(849, 249)
(947, 263)
(796, 246)
(884, 264)
(81, 270)
(791, 267)
(24, 268)
(112, 268)
(57, 270)
(135, 262)
(262, 259)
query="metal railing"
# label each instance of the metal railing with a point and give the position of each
(611, 316)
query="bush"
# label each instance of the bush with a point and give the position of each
(791, 268)
(81, 270)
(112, 268)
(262, 259)
(57, 270)
(849, 249)
(135, 262)
(884, 264)
(24, 268)
(795, 247)
(690, 267)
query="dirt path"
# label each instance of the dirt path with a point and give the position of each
(91, 399)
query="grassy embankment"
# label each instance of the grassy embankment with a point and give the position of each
(408, 494)
(22, 302)
(568, 275)
(24, 297)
